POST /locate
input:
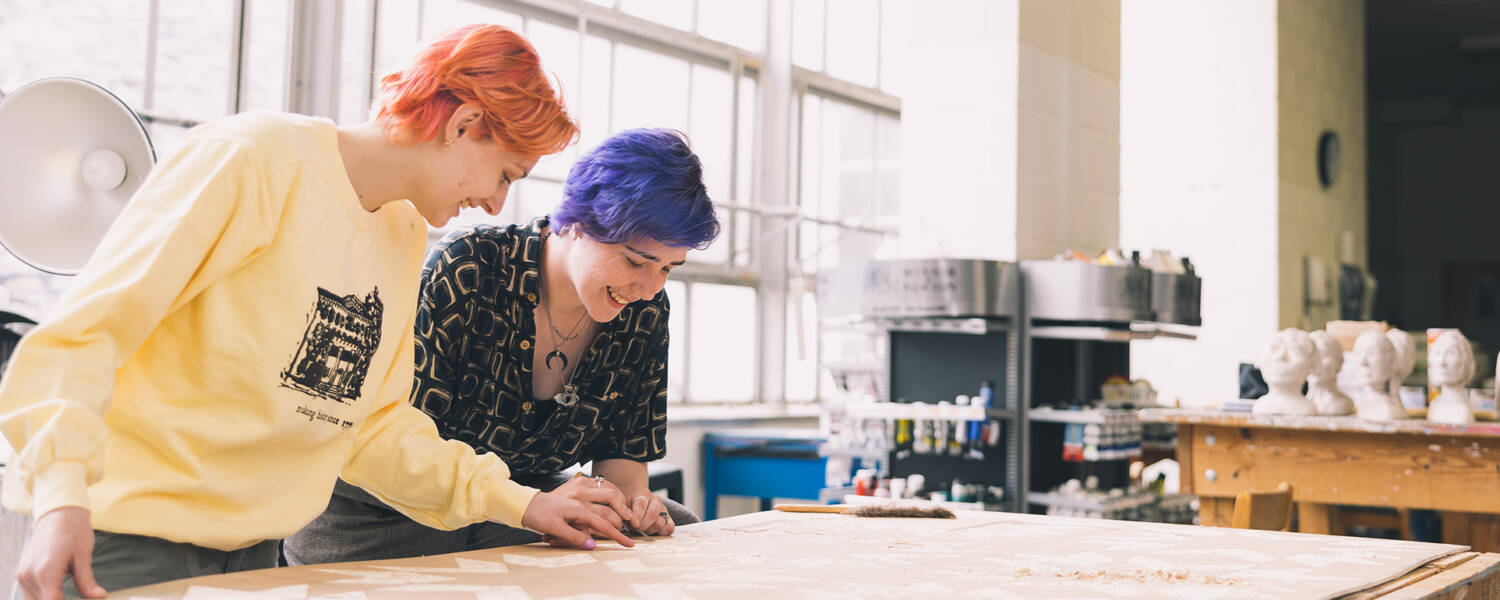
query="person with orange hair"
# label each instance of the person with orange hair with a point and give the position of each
(243, 336)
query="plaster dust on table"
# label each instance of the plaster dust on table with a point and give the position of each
(777, 555)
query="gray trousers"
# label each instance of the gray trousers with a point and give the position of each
(357, 526)
(125, 561)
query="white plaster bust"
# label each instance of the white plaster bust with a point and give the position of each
(1369, 366)
(1285, 365)
(1450, 366)
(1322, 384)
(1406, 359)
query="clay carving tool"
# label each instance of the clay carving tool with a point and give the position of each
(636, 531)
(872, 510)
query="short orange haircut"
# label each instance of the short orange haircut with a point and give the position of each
(489, 66)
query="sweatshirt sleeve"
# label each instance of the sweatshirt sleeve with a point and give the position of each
(198, 216)
(400, 458)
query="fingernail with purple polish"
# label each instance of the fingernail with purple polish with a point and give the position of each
(588, 545)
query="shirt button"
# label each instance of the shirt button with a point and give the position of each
(531, 297)
(526, 406)
(525, 344)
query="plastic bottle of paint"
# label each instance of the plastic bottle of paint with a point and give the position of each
(914, 484)
(960, 430)
(898, 488)
(986, 399)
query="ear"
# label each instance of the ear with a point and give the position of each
(462, 120)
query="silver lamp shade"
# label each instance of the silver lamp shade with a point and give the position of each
(71, 155)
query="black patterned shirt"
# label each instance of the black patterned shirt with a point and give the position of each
(476, 333)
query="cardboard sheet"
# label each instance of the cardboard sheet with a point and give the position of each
(785, 556)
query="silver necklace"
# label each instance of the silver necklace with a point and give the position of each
(569, 395)
(558, 338)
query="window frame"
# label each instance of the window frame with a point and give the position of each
(315, 38)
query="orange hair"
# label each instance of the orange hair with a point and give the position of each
(489, 66)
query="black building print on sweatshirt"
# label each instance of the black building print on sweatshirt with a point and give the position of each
(334, 356)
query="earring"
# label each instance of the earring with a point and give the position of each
(448, 145)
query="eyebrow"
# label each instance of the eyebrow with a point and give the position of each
(652, 258)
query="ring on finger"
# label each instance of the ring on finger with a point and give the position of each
(598, 481)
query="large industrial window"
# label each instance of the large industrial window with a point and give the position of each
(694, 65)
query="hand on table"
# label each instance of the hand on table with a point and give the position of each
(599, 495)
(62, 541)
(649, 515)
(564, 521)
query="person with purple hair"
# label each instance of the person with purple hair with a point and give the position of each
(546, 344)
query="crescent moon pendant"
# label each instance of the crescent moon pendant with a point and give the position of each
(556, 354)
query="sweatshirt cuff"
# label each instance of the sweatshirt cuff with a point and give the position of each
(506, 501)
(64, 483)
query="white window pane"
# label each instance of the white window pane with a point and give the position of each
(888, 164)
(811, 193)
(103, 41)
(738, 22)
(678, 342)
(441, 15)
(812, 154)
(892, 40)
(852, 35)
(194, 62)
(533, 198)
(855, 135)
(723, 342)
(355, 76)
(594, 92)
(710, 135)
(672, 13)
(396, 36)
(807, 34)
(558, 47)
(165, 139)
(842, 179)
(264, 86)
(802, 347)
(662, 103)
(749, 113)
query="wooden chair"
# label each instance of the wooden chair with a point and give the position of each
(1264, 510)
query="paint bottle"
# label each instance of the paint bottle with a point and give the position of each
(914, 484)
(942, 433)
(985, 399)
(922, 436)
(903, 434)
(960, 430)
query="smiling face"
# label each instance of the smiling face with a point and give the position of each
(608, 277)
(473, 173)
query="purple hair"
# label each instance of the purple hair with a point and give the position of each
(639, 183)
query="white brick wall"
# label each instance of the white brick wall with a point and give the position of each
(1068, 135)
(1198, 177)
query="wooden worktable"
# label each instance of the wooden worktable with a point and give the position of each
(978, 555)
(1333, 461)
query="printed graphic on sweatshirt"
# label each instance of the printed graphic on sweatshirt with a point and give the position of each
(334, 356)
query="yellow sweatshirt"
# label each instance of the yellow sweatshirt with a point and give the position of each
(242, 336)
